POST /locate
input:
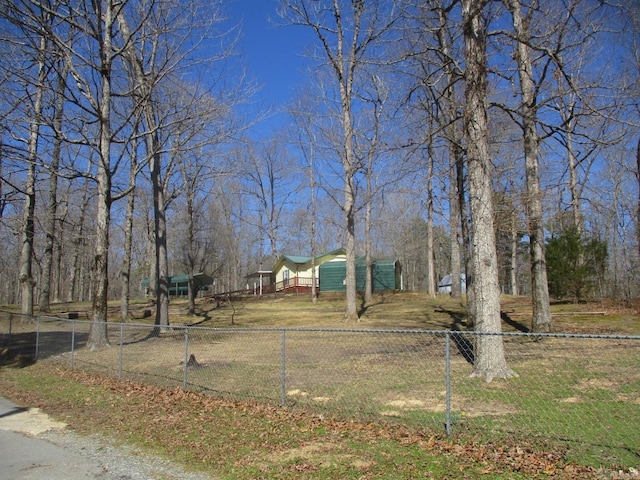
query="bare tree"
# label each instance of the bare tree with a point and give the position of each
(637, 172)
(91, 92)
(345, 31)
(307, 142)
(431, 271)
(79, 243)
(270, 190)
(377, 96)
(489, 358)
(453, 134)
(106, 18)
(125, 269)
(26, 24)
(52, 219)
(159, 45)
(206, 124)
(437, 74)
(541, 319)
(143, 88)
(26, 255)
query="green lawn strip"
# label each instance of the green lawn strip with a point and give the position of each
(607, 435)
(253, 440)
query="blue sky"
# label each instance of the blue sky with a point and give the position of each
(273, 54)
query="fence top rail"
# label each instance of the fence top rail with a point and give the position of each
(441, 333)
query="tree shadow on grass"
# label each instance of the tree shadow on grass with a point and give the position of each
(364, 307)
(462, 342)
(521, 327)
(20, 350)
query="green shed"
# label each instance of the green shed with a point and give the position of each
(387, 275)
(178, 284)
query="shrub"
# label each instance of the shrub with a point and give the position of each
(575, 264)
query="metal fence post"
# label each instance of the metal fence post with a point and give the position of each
(447, 356)
(37, 338)
(283, 368)
(186, 357)
(73, 343)
(121, 351)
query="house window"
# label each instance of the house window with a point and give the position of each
(285, 278)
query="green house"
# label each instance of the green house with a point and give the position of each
(387, 275)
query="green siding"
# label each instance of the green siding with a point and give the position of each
(386, 275)
(332, 275)
(178, 284)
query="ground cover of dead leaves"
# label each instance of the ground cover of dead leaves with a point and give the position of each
(215, 431)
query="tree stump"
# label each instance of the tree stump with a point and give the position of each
(192, 362)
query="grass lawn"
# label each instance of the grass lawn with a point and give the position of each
(359, 406)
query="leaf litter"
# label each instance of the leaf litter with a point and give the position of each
(215, 431)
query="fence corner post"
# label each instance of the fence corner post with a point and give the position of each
(186, 358)
(73, 344)
(447, 343)
(121, 353)
(37, 352)
(283, 369)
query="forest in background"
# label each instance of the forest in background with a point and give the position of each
(129, 151)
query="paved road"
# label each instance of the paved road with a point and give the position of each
(23, 456)
(35, 447)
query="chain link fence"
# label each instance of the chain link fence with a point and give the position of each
(580, 393)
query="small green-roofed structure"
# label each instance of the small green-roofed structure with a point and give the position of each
(386, 273)
(179, 284)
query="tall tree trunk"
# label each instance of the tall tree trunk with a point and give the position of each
(378, 105)
(351, 312)
(454, 226)
(28, 230)
(50, 228)
(3, 201)
(345, 75)
(125, 271)
(312, 186)
(145, 103)
(638, 211)
(489, 359)
(455, 153)
(368, 287)
(573, 184)
(541, 319)
(98, 330)
(191, 254)
(57, 259)
(75, 292)
(466, 239)
(160, 225)
(513, 269)
(431, 273)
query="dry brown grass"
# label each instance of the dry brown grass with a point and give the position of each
(404, 310)
(376, 376)
(401, 310)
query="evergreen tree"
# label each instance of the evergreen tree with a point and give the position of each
(574, 264)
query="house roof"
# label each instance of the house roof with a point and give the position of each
(297, 258)
(303, 260)
(259, 273)
(446, 280)
(198, 279)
